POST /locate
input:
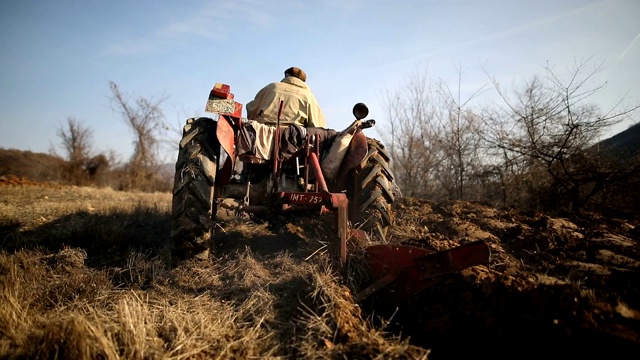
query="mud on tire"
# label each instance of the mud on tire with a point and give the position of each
(372, 192)
(193, 208)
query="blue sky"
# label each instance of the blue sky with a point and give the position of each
(58, 57)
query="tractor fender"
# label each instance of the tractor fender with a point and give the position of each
(355, 153)
(226, 138)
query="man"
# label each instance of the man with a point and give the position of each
(300, 106)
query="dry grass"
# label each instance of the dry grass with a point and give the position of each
(85, 274)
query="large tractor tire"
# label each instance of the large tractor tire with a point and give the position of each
(371, 193)
(193, 207)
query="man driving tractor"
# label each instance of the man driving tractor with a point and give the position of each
(300, 106)
(253, 167)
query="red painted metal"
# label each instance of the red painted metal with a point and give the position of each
(308, 198)
(317, 171)
(221, 91)
(226, 136)
(342, 223)
(403, 271)
(276, 148)
(337, 203)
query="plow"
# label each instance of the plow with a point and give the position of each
(268, 172)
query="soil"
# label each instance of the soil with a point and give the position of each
(12, 180)
(555, 287)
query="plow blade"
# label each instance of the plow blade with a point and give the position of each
(403, 271)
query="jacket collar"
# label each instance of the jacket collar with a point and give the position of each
(295, 81)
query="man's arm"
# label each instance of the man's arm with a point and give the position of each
(253, 106)
(316, 117)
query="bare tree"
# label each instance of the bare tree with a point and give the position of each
(434, 139)
(459, 141)
(535, 148)
(145, 118)
(76, 141)
(410, 135)
(551, 127)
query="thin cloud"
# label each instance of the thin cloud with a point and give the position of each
(214, 20)
(130, 49)
(608, 72)
(345, 6)
(521, 28)
(211, 22)
(631, 44)
(498, 35)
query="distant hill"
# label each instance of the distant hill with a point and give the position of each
(35, 166)
(625, 143)
(41, 167)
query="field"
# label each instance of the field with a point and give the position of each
(85, 273)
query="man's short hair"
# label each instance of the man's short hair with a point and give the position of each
(297, 72)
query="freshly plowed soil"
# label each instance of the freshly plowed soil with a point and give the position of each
(12, 180)
(554, 287)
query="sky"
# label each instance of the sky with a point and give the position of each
(57, 58)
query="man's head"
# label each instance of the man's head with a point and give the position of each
(297, 72)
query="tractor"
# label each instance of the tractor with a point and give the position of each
(266, 172)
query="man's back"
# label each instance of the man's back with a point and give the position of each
(300, 106)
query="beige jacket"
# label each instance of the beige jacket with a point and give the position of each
(300, 106)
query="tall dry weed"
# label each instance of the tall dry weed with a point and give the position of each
(334, 326)
(72, 337)
(86, 274)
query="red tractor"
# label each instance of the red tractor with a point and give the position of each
(301, 171)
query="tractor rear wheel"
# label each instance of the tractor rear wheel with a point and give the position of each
(372, 192)
(193, 207)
